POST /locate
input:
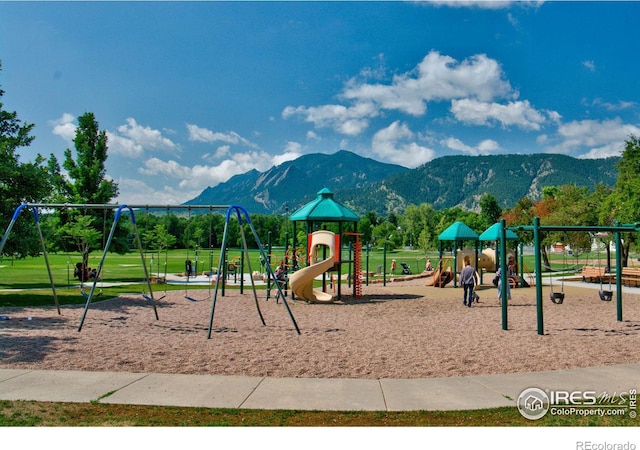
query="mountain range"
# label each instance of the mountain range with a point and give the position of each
(365, 185)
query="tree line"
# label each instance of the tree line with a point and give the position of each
(41, 180)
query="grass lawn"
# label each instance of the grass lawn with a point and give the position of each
(26, 281)
(45, 414)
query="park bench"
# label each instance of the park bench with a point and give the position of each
(158, 280)
(631, 276)
(592, 274)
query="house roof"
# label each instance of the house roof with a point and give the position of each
(324, 209)
(458, 232)
(493, 234)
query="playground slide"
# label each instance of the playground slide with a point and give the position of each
(439, 280)
(302, 282)
(432, 279)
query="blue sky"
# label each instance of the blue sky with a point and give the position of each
(192, 93)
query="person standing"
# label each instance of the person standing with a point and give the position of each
(499, 286)
(468, 282)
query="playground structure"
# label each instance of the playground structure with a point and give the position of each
(240, 212)
(440, 278)
(324, 209)
(302, 280)
(486, 260)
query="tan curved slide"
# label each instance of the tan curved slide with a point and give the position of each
(439, 280)
(301, 281)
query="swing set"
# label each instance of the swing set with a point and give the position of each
(92, 293)
(617, 229)
(558, 297)
(240, 212)
(605, 295)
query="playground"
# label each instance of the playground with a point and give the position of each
(402, 330)
(409, 327)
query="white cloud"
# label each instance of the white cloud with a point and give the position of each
(391, 144)
(618, 106)
(482, 4)
(65, 127)
(311, 135)
(517, 113)
(351, 120)
(198, 134)
(130, 139)
(124, 146)
(293, 147)
(600, 139)
(288, 155)
(589, 64)
(136, 192)
(198, 177)
(436, 78)
(486, 147)
(145, 137)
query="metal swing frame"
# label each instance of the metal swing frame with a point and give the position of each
(92, 292)
(240, 212)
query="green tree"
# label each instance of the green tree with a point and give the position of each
(87, 183)
(623, 205)
(19, 181)
(490, 209)
(83, 236)
(421, 222)
(573, 206)
(159, 239)
(87, 169)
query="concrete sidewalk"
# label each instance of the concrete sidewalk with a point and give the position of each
(218, 391)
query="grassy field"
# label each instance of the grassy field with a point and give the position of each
(27, 280)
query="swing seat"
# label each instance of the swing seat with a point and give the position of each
(557, 297)
(606, 296)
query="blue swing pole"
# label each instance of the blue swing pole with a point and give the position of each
(245, 254)
(46, 258)
(239, 210)
(14, 218)
(7, 232)
(104, 255)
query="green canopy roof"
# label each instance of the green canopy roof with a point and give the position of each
(458, 232)
(324, 209)
(493, 234)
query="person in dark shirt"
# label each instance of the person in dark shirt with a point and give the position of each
(468, 282)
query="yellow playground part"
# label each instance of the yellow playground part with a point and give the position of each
(486, 259)
(301, 281)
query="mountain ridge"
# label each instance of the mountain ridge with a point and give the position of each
(364, 184)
